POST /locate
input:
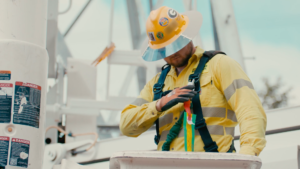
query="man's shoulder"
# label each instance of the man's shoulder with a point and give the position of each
(221, 59)
(154, 79)
(223, 63)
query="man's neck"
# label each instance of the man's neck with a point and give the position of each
(180, 69)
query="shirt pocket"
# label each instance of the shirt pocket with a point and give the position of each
(206, 87)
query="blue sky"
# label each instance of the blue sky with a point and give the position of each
(270, 21)
(268, 30)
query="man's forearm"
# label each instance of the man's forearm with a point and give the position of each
(137, 119)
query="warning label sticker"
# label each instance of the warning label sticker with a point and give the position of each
(4, 144)
(27, 104)
(19, 152)
(6, 92)
(5, 75)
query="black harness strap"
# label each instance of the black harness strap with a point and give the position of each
(158, 93)
(200, 125)
(232, 148)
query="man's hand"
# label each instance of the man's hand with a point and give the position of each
(178, 95)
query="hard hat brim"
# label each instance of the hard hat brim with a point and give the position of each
(174, 45)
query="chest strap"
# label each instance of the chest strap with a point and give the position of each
(158, 93)
(200, 125)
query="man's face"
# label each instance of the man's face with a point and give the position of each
(180, 58)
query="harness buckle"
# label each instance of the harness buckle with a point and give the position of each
(165, 66)
(211, 148)
(157, 88)
(194, 78)
(200, 124)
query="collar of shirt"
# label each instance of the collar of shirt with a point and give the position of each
(195, 58)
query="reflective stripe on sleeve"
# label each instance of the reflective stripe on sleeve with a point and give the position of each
(229, 131)
(236, 84)
(219, 112)
(214, 112)
(231, 115)
(139, 102)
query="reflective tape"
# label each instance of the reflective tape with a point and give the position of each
(229, 131)
(236, 84)
(163, 136)
(213, 130)
(219, 112)
(207, 112)
(166, 119)
(214, 112)
(139, 102)
(231, 115)
(181, 133)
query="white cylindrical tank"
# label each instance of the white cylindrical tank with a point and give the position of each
(23, 82)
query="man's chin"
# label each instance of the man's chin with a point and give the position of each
(178, 64)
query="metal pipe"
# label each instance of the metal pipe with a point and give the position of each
(158, 4)
(24, 21)
(195, 5)
(24, 60)
(216, 39)
(270, 132)
(69, 7)
(151, 5)
(111, 23)
(227, 31)
(108, 45)
(277, 131)
(95, 161)
(78, 16)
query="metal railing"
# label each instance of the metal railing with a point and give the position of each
(270, 132)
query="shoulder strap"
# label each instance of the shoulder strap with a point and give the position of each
(205, 58)
(158, 93)
(209, 144)
(211, 53)
(157, 88)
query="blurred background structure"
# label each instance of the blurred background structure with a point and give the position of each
(265, 37)
(268, 32)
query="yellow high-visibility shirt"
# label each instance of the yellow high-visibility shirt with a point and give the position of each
(227, 98)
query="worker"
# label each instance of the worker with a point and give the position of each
(222, 98)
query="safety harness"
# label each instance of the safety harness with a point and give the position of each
(200, 125)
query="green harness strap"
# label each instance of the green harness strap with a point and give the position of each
(173, 133)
